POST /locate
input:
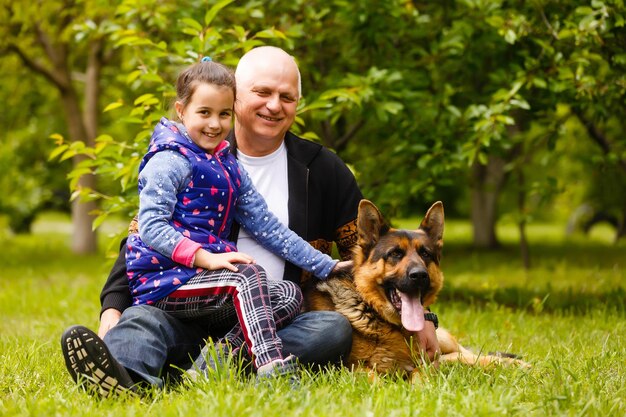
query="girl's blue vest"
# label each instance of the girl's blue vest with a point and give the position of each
(203, 213)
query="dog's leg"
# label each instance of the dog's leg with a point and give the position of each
(452, 351)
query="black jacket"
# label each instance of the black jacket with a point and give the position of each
(323, 203)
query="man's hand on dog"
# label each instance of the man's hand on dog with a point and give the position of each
(429, 344)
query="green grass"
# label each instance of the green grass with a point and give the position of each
(566, 316)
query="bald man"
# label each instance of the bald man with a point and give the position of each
(305, 185)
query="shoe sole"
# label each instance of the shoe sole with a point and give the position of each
(89, 362)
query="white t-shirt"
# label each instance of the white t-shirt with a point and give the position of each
(269, 176)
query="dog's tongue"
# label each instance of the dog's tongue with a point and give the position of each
(412, 313)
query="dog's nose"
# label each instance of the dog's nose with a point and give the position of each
(419, 275)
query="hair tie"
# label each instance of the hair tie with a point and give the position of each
(206, 59)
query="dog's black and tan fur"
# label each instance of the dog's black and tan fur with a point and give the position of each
(395, 271)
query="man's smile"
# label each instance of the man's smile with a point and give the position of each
(270, 119)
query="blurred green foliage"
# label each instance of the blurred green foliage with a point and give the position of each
(411, 94)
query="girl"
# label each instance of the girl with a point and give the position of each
(190, 191)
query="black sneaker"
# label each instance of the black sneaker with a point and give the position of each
(91, 365)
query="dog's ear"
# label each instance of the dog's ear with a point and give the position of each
(433, 224)
(371, 225)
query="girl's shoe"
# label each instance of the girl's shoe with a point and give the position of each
(280, 368)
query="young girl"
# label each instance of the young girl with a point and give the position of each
(190, 191)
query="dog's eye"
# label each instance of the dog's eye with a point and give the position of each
(396, 254)
(424, 254)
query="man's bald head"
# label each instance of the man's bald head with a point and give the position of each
(265, 56)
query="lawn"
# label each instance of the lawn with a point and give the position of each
(566, 316)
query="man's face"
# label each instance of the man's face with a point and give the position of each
(266, 100)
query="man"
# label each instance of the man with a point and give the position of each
(305, 185)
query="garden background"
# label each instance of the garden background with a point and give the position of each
(511, 113)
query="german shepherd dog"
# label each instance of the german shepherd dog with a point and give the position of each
(395, 277)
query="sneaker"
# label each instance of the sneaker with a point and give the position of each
(280, 368)
(91, 365)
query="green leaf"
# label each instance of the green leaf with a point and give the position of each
(620, 59)
(70, 153)
(510, 36)
(270, 34)
(193, 24)
(584, 10)
(190, 31)
(113, 106)
(596, 4)
(521, 103)
(507, 120)
(58, 139)
(99, 220)
(142, 98)
(454, 111)
(57, 151)
(213, 11)
(133, 41)
(152, 77)
(132, 76)
(134, 120)
(392, 107)
(257, 14)
(539, 82)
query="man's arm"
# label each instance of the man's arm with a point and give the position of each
(115, 295)
(429, 343)
(347, 198)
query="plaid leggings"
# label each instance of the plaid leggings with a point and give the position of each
(260, 307)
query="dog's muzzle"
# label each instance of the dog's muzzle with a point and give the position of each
(420, 276)
(415, 281)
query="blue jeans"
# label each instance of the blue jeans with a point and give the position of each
(147, 340)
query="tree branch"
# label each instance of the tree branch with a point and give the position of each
(37, 67)
(345, 138)
(598, 136)
(327, 135)
(547, 23)
(92, 88)
(44, 41)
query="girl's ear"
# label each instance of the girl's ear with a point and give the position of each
(179, 109)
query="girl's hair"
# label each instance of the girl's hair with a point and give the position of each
(203, 72)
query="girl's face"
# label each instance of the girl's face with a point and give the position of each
(208, 115)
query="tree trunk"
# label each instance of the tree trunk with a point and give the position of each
(521, 206)
(84, 238)
(81, 127)
(487, 182)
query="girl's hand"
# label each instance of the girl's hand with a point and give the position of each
(212, 261)
(342, 267)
